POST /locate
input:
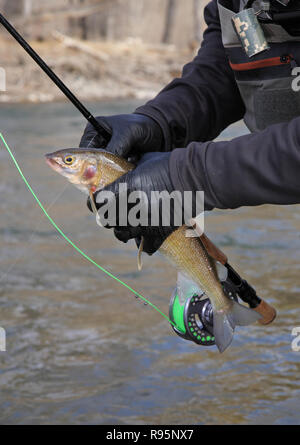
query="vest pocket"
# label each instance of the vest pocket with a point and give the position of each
(269, 101)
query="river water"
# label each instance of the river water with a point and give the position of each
(82, 350)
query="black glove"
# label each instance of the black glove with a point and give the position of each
(132, 134)
(152, 174)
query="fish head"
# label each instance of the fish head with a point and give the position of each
(88, 169)
(80, 167)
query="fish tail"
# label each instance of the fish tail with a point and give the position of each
(225, 322)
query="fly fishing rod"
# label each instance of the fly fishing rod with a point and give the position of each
(103, 132)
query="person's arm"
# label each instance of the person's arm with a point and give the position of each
(205, 100)
(251, 170)
(195, 107)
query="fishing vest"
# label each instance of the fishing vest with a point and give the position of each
(264, 80)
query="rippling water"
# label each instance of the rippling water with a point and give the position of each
(81, 350)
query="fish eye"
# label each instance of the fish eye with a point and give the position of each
(69, 160)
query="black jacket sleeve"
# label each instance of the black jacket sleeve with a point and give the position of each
(205, 100)
(260, 168)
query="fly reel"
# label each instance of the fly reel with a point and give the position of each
(194, 319)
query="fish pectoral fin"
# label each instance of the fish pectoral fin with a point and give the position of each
(140, 255)
(94, 208)
(225, 322)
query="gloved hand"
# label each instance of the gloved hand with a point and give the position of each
(132, 134)
(158, 217)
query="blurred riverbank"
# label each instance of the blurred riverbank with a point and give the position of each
(93, 70)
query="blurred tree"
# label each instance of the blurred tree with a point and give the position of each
(198, 14)
(170, 15)
(13, 7)
(82, 21)
(27, 7)
(153, 21)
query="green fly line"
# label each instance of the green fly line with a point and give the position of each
(69, 241)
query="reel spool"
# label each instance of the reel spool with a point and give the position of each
(194, 318)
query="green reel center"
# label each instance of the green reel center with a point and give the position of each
(193, 319)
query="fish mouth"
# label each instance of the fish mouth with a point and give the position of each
(52, 163)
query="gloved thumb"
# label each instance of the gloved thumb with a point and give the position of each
(120, 144)
(91, 138)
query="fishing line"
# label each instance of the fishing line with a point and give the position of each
(91, 141)
(70, 242)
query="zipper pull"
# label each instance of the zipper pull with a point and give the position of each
(288, 58)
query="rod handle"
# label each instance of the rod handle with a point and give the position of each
(210, 247)
(213, 250)
(267, 312)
